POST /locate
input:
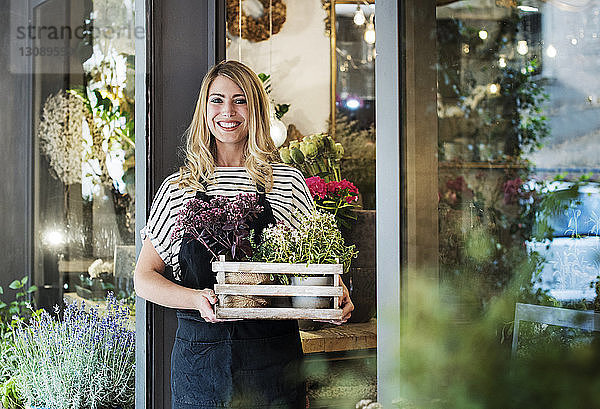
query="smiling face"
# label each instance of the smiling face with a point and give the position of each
(227, 114)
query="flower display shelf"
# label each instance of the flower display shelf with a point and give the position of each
(223, 268)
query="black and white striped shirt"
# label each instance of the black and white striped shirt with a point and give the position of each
(288, 195)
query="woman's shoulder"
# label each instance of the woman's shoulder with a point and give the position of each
(284, 170)
(170, 186)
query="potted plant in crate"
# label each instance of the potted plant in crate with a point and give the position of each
(317, 241)
(316, 248)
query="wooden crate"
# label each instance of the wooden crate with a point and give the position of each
(222, 268)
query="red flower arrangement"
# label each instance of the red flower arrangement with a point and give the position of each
(335, 197)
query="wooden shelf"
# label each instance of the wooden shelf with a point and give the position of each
(345, 337)
(480, 165)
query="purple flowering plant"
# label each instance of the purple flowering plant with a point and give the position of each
(220, 224)
(80, 358)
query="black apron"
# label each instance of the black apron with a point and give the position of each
(236, 364)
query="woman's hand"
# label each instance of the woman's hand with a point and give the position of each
(347, 307)
(205, 301)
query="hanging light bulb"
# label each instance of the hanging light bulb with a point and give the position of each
(369, 35)
(522, 47)
(278, 129)
(359, 16)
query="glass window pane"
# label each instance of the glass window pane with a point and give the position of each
(83, 107)
(518, 205)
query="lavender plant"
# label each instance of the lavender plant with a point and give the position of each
(84, 360)
(220, 224)
(317, 241)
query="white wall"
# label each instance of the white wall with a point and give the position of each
(300, 65)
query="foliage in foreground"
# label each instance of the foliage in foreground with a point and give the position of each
(457, 356)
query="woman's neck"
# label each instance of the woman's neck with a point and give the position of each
(229, 155)
(229, 163)
(232, 158)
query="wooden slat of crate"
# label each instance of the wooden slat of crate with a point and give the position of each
(277, 290)
(279, 313)
(276, 268)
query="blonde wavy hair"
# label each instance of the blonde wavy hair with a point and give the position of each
(259, 150)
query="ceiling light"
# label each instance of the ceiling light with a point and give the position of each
(352, 103)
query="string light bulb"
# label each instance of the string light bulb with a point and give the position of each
(359, 16)
(551, 51)
(369, 35)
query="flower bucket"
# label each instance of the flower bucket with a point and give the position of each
(311, 302)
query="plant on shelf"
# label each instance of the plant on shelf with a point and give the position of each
(358, 159)
(78, 359)
(98, 281)
(317, 241)
(337, 198)
(490, 109)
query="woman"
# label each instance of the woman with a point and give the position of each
(219, 363)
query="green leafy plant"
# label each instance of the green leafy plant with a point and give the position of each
(18, 307)
(11, 315)
(280, 109)
(10, 396)
(317, 241)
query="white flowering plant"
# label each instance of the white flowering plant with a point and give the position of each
(98, 267)
(317, 241)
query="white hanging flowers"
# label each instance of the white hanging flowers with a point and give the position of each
(61, 135)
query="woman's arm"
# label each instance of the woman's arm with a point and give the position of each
(151, 285)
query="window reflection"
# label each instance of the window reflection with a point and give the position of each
(517, 116)
(84, 132)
